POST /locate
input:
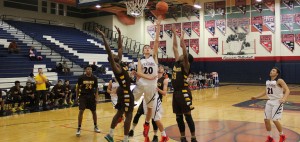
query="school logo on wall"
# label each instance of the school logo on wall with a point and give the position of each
(209, 8)
(210, 26)
(297, 38)
(161, 32)
(213, 43)
(297, 19)
(288, 21)
(178, 29)
(151, 31)
(266, 42)
(270, 4)
(196, 27)
(168, 29)
(221, 25)
(187, 27)
(163, 47)
(244, 24)
(233, 24)
(241, 5)
(220, 7)
(187, 45)
(257, 23)
(288, 3)
(288, 41)
(194, 44)
(269, 22)
(196, 13)
(257, 5)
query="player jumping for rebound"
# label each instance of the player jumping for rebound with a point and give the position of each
(125, 101)
(277, 92)
(182, 97)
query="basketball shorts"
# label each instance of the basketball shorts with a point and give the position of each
(182, 102)
(273, 110)
(148, 90)
(125, 100)
(138, 91)
(157, 109)
(87, 101)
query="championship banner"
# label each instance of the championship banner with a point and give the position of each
(187, 10)
(221, 25)
(178, 29)
(297, 39)
(151, 31)
(297, 19)
(187, 44)
(213, 44)
(163, 47)
(210, 26)
(196, 27)
(187, 27)
(194, 44)
(233, 24)
(289, 4)
(168, 29)
(161, 32)
(288, 41)
(209, 8)
(244, 24)
(266, 42)
(270, 4)
(196, 13)
(220, 7)
(256, 24)
(257, 5)
(151, 44)
(288, 21)
(269, 23)
(241, 5)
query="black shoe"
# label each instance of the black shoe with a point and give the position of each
(131, 133)
(155, 138)
(183, 139)
(194, 140)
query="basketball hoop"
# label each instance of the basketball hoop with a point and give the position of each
(135, 8)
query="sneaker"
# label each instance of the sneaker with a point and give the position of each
(78, 132)
(183, 139)
(96, 129)
(20, 108)
(147, 139)
(194, 140)
(131, 133)
(282, 138)
(164, 139)
(109, 138)
(13, 110)
(270, 139)
(155, 138)
(146, 130)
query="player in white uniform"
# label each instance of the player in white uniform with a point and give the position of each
(277, 92)
(112, 90)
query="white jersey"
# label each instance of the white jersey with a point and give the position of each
(150, 68)
(274, 92)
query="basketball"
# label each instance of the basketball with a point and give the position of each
(162, 7)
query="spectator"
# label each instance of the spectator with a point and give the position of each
(94, 67)
(13, 48)
(102, 70)
(31, 79)
(59, 94)
(41, 89)
(32, 54)
(28, 94)
(16, 95)
(65, 67)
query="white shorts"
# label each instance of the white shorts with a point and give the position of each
(157, 110)
(114, 100)
(273, 110)
(138, 91)
(149, 91)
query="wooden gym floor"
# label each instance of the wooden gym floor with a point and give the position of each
(216, 120)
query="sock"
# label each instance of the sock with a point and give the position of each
(281, 133)
(95, 124)
(155, 133)
(125, 138)
(79, 126)
(111, 132)
(133, 126)
(147, 123)
(163, 133)
(270, 133)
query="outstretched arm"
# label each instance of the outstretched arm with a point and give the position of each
(175, 46)
(259, 95)
(109, 53)
(186, 64)
(156, 42)
(120, 48)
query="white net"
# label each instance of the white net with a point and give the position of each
(136, 8)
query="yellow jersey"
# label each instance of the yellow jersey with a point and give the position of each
(41, 78)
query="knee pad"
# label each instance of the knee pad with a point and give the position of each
(180, 123)
(190, 122)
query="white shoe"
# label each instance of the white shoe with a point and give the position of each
(78, 132)
(97, 130)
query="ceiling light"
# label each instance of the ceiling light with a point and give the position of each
(258, 0)
(98, 6)
(197, 4)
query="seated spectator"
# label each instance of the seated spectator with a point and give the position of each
(94, 67)
(65, 67)
(13, 48)
(102, 70)
(28, 94)
(16, 95)
(68, 91)
(31, 79)
(59, 94)
(32, 54)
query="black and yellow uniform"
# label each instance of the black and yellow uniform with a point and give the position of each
(125, 96)
(160, 85)
(16, 95)
(58, 90)
(88, 87)
(67, 90)
(27, 92)
(182, 97)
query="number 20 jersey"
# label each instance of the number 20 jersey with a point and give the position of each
(150, 68)
(273, 91)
